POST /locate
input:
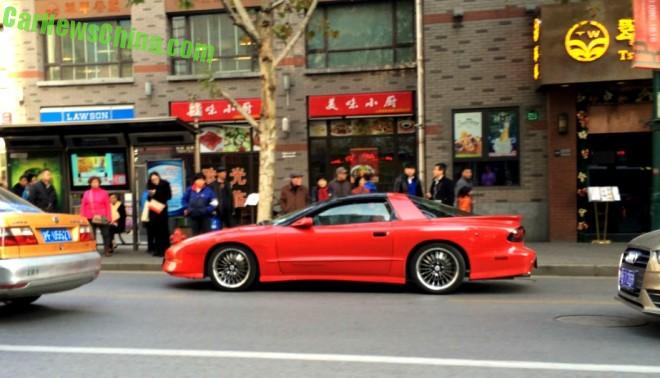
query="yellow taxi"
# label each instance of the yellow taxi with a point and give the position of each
(42, 253)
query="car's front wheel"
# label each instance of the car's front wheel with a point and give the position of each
(232, 268)
(437, 268)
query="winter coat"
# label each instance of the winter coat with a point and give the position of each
(43, 197)
(315, 194)
(443, 191)
(340, 188)
(200, 204)
(401, 185)
(18, 189)
(460, 184)
(96, 202)
(225, 198)
(119, 216)
(292, 199)
(371, 186)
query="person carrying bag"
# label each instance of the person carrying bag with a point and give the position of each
(95, 206)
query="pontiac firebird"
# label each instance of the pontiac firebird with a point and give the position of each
(384, 237)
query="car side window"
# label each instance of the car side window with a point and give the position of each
(365, 212)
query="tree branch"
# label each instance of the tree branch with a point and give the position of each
(217, 91)
(243, 21)
(302, 26)
(276, 4)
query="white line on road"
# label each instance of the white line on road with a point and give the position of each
(316, 357)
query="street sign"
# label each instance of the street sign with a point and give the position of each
(532, 115)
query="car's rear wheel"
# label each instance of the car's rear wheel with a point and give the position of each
(437, 268)
(232, 268)
(21, 302)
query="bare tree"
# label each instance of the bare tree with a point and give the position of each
(264, 25)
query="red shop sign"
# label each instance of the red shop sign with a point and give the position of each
(361, 104)
(216, 110)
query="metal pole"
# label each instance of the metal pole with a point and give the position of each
(655, 195)
(607, 206)
(421, 135)
(198, 155)
(597, 222)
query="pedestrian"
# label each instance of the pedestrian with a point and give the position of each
(340, 186)
(464, 201)
(321, 192)
(360, 186)
(200, 204)
(408, 183)
(42, 193)
(20, 186)
(442, 187)
(158, 227)
(369, 184)
(210, 174)
(465, 180)
(488, 178)
(31, 180)
(95, 206)
(151, 238)
(294, 195)
(118, 221)
(223, 192)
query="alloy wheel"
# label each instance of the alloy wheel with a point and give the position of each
(437, 269)
(231, 268)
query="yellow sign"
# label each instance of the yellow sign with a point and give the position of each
(587, 41)
(536, 52)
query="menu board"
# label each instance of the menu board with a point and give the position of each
(225, 139)
(603, 194)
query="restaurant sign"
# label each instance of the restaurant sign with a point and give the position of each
(574, 43)
(216, 110)
(361, 104)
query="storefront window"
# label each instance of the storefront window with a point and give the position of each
(361, 34)
(234, 52)
(378, 146)
(487, 141)
(73, 59)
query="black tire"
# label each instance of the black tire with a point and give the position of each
(232, 268)
(21, 302)
(436, 268)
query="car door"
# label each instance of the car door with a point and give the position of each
(351, 238)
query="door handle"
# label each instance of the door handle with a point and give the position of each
(380, 234)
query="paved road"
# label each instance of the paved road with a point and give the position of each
(148, 324)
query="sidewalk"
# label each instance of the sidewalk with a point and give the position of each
(555, 259)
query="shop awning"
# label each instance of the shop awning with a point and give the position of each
(138, 131)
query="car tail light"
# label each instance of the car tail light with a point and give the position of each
(85, 233)
(518, 235)
(15, 236)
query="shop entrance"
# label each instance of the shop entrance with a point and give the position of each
(623, 160)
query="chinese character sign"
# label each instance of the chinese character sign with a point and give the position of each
(215, 110)
(647, 34)
(395, 103)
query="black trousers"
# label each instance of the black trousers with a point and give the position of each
(158, 233)
(200, 225)
(105, 235)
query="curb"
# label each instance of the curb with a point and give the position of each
(547, 270)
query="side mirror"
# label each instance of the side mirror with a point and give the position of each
(305, 222)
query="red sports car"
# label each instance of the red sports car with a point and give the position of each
(388, 238)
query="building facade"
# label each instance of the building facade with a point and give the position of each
(347, 91)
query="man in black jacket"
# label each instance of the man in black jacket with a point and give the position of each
(223, 191)
(42, 194)
(442, 187)
(408, 183)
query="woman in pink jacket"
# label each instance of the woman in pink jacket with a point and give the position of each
(95, 206)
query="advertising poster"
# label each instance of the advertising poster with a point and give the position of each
(364, 160)
(21, 163)
(171, 171)
(109, 167)
(225, 139)
(645, 32)
(467, 135)
(502, 133)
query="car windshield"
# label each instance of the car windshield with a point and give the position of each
(286, 218)
(11, 203)
(433, 209)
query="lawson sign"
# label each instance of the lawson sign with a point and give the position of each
(87, 114)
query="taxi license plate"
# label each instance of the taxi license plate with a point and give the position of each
(56, 235)
(627, 278)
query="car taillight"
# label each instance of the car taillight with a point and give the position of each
(518, 235)
(85, 233)
(14, 236)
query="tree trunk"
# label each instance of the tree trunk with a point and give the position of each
(268, 120)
